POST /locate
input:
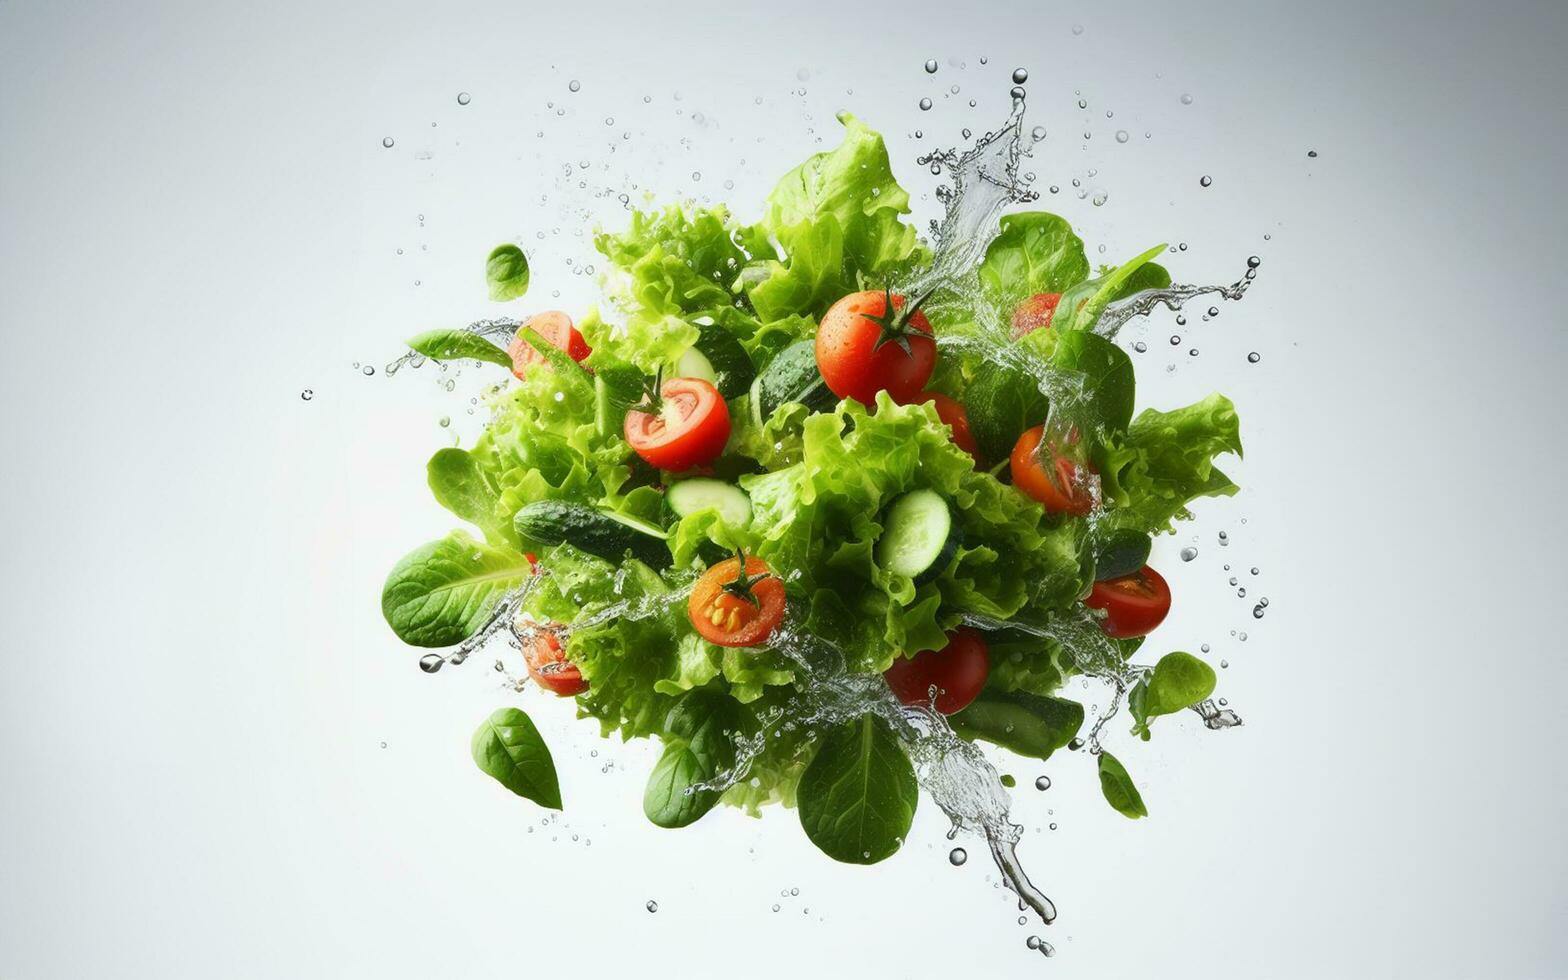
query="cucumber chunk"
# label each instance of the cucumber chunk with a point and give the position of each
(919, 536)
(598, 532)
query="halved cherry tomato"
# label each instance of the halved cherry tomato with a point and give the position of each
(689, 429)
(958, 671)
(1050, 477)
(1035, 313)
(548, 666)
(1134, 604)
(554, 326)
(952, 412)
(734, 609)
(874, 341)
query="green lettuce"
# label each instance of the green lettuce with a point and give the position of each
(1166, 460)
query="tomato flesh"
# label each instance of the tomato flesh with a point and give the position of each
(690, 429)
(730, 620)
(548, 666)
(958, 671)
(1134, 604)
(1035, 313)
(856, 363)
(554, 326)
(1051, 477)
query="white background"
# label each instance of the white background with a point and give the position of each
(198, 221)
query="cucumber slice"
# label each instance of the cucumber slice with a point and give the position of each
(919, 536)
(700, 493)
(598, 532)
(695, 364)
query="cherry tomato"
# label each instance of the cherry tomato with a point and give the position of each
(1035, 313)
(689, 429)
(951, 411)
(548, 666)
(860, 347)
(958, 671)
(1049, 476)
(734, 609)
(1134, 604)
(554, 326)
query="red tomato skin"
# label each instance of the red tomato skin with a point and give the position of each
(557, 328)
(952, 412)
(1035, 313)
(959, 671)
(1135, 605)
(760, 619)
(695, 438)
(1060, 491)
(855, 367)
(549, 668)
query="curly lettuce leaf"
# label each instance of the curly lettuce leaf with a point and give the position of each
(1035, 252)
(1165, 461)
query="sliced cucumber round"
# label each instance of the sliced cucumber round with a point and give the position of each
(695, 364)
(700, 493)
(919, 536)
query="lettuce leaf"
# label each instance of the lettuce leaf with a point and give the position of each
(1166, 460)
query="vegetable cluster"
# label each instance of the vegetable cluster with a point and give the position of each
(807, 486)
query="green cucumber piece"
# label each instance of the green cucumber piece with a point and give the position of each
(919, 536)
(599, 532)
(727, 360)
(791, 376)
(700, 493)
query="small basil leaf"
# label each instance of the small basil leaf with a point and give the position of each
(457, 345)
(1179, 681)
(459, 485)
(702, 727)
(506, 271)
(1119, 791)
(442, 592)
(857, 797)
(1025, 723)
(508, 747)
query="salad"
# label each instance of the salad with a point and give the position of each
(788, 429)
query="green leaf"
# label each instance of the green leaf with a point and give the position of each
(1105, 399)
(1083, 304)
(506, 271)
(1035, 252)
(459, 485)
(1027, 724)
(1119, 791)
(1179, 681)
(442, 592)
(1002, 402)
(508, 747)
(1166, 459)
(456, 345)
(696, 750)
(857, 798)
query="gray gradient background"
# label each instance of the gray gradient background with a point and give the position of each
(197, 221)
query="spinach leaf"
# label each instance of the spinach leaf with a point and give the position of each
(442, 592)
(857, 797)
(455, 345)
(1119, 791)
(1001, 403)
(1106, 398)
(1083, 304)
(1025, 723)
(1035, 252)
(510, 749)
(458, 484)
(1179, 681)
(696, 750)
(506, 271)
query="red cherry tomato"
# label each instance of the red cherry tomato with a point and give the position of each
(745, 613)
(1134, 604)
(859, 351)
(952, 412)
(1048, 476)
(690, 428)
(1035, 313)
(958, 671)
(554, 326)
(548, 666)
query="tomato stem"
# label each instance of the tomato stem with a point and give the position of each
(742, 585)
(895, 323)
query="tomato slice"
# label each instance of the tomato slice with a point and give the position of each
(1050, 477)
(1134, 604)
(1035, 313)
(952, 412)
(554, 326)
(735, 610)
(548, 666)
(958, 671)
(689, 429)
(860, 347)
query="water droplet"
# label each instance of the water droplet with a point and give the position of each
(1075, 745)
(1077, 29)
(1052, 826)
(463, 98)
(957, 856)
(1312, 153)
(1253, 261)
(1242, 636)
(574, 85)
(1099, 199)
(652, 906)
(367, 370)
(1224, 664)
(931, 66)
(387, 142)
(1224, 540)
(1020, 75)
(793, 892)
(1121, 136)
(1186, 98)
(1254, 357)
(1055, 189)
(1140, 346)
(1257, 611)
(1204, 648)
(1189, 553)
(1033, 942)
(925, 104)
(1017, 92)
(1205, 180)
(775, 906)
(1254, 571)
(307, 395)
(1043, 783)
(1175, 340)
(431, 662)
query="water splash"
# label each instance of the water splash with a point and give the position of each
(499, 331)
